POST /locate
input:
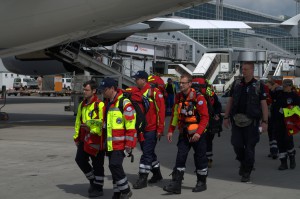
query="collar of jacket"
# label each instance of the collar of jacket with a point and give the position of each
(191, 95)
(145, 88)
(118, 95)
(94, 99)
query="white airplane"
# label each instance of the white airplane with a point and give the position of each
(38, 25)
(29, 27)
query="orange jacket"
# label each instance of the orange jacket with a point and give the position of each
(200, 107)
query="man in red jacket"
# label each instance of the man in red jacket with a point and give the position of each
(190, 113)
(155, 118)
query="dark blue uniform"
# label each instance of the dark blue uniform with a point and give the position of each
(247, 99)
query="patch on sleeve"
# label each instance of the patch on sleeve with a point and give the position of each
(160, 96)
(200, 102)
(129, 109)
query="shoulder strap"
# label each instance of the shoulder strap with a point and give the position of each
(257, 88)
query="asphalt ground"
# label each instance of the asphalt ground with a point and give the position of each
(37, 161)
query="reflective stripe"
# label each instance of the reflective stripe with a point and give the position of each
(282, 155)
(99, 177)
(90, 175)
(129, 138)
(291, 151)
(155, 164)
(122, 181)
(123, 187)
(116, 138)
(202, 172)
(116, 189)
(273, 142)
(274, 146)
(144, 171)
(145, 166)
(98, 183)
(129, 113)
(181, 169)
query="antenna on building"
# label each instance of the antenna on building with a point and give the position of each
(297, 6)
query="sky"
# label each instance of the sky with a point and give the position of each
(271, 7)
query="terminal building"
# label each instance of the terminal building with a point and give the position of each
(214, 53)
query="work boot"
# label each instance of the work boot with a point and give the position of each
(126, 195)
(283, 165)
(245, 177)
(209, 163)
(116, 195)
(156, 175)
(246, 174)
(201, 183)
(95, 191)
(175, 185)
(141, 182)
(292, 161)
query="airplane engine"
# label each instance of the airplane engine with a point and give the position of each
(38, 66)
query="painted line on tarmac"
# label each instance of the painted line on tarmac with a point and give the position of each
(28, 121)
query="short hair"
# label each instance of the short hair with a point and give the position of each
(248, 63)
(187, 76)
(92, 84)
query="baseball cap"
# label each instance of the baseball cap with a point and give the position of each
(107, 83)
(140, 75)
(287, 82)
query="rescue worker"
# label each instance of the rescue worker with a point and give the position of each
(190, 113)
(155, 118)
(284, 99)
(246, 104)
(120, 134)
(170, 95)
(202, 86)
(271, 134)
(91, 108)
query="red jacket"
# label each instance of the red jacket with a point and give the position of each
(156, 115)
(201, 108)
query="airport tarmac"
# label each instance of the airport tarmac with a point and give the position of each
(37, 161)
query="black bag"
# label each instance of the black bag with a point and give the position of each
(141, 105)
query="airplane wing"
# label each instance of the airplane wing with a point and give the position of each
(288, 23)
(206, 24)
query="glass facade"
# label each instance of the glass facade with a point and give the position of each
(214, 38)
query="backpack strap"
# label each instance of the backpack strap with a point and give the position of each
(121, 104)
(257, 88)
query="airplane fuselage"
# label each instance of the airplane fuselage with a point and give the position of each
(28, 26)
